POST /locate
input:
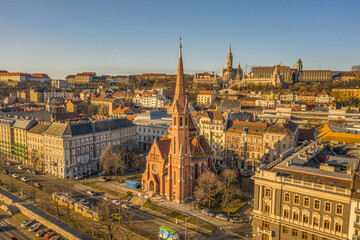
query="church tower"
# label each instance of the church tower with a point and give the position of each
(299, 65)
(175, 162)
(229, 60)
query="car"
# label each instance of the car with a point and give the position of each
(20, 167)
(5, 171)
(91, 193)
(103, 179)
(79, 177)
(41, 232)
(208, 212)
(236, 220)
(30, 223)
(125, 205)
(48, 235)
(55, 237)
(13, 238)
(222, 217)
(34, 227)
(8, 163)
(23, 224)
(101, 173)
(106, 199)
(83, 201)
(38, 185)
(28, 170)
(116, 202)
(15, 175)
(24, 179)
(33, 172)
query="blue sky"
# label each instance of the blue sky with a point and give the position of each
(119, 37)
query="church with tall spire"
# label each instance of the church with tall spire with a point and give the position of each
(230, 74)
(175, 162)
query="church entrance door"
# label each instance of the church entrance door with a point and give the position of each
(152, 186)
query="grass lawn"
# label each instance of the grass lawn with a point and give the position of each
(178, 215)
(232, 210)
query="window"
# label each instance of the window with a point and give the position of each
(174, 121)
(297, 200)
(339, 209)
(304, 235)
(287, 197)
(305, 219)
(317, 204)
(264, 237)
(327, 207)
(294, 232)
(315, 237)
(267, 192)
(306, 202)
(267, 208)
(316, 222)
(285, 230)
(337, 227)
(296, 216)
(286, 213)
(265, 225)
(180, 122)
(326, 224)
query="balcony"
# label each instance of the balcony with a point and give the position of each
(356, 224)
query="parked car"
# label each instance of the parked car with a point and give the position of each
(79, 177)
(23, 224)
(208, 212)
(15, 175)
(30, 223)
(125, 205)
(55, 237)
(34, 227)
(101, 173)
(116, 202)
(38, 185)
(68, 194)
(24, 179)
(41, 232)
(20, 167)
(13, 238)
(222, 217)
(33, 172)
(103, 179)
(5, 171)
(106, 199)
(91, 193)
(8, 163)
(236, 220)
(28, 170)
(48, 235)
(83, 201)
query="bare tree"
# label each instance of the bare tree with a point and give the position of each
(106, 159)
(229, 188)
(208, 188)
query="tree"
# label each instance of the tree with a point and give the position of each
(106, 159)
(208, 188)
(229, 188)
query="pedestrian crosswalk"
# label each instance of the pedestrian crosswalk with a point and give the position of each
(4, 223)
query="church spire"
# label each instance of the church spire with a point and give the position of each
(229, 60)
(230, 48)
(180, 88)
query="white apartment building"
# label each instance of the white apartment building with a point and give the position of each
(58, 93)
(149, 100)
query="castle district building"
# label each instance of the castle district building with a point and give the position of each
(206, 79)
(231, 75)
(175, 162)
(311, 194)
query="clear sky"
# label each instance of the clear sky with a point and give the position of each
(134, 36)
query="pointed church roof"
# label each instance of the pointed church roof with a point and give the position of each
(180, 95)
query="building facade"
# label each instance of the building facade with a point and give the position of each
(205, 98)
(301, 197)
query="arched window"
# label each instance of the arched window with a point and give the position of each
(180, 121)
(174, 121)
(316, 222)
(267, 208)
(286, 214)
(326, 224)
(305, 219)
(296, 216)
(185, 121)
(337, 227)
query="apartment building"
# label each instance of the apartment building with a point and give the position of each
(14, 77)
(151, 125)
(150, 100)
(73, 149)
(307, 195)
(346, 94)
(205, 98)
(58, 93)
(211, 125)
(13, 140)
(35, 142)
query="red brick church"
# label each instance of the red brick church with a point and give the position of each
(175, 162)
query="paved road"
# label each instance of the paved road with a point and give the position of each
(7, 230)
